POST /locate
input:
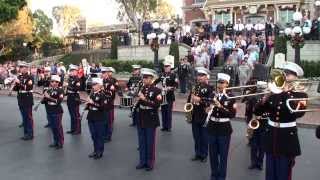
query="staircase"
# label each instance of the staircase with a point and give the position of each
(213, 75)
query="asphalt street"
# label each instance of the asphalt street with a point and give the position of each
(34, 160)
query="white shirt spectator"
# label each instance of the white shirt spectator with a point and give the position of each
(249, 27)
(203, 61)
(218, 46)
(259, 27)
(238, 27)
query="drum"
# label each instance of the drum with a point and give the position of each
(126, 101)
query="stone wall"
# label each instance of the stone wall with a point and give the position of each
(310, 51)
(145, 52)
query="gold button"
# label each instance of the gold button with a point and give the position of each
(279, 107)
(278, 113)
(277, 118)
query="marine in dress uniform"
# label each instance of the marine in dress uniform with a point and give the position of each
(44, 81)
(281, 141)
(169, 83)
(149, 99)
(97, 101)
(219, 128)
(133, 86)
(73, 100)
(52, 99)
(24, 85)
(110, 84)
(197, 97)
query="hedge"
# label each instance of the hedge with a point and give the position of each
(125, 66)
(311, 68)
(280, 45)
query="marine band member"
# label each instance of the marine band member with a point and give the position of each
(219, 128)
(169, 83)
(24, 85)
(52, 99)
(281, 141)
(149, 99)
(201, 91)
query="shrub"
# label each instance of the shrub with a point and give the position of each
(311, 68)
(280, 45)
(174, 51)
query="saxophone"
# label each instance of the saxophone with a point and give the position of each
(188, 107)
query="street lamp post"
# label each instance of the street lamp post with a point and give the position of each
(155, 48)
(295, 36)
(139, 31)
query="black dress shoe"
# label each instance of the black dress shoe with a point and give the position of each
(259, 167)
(76, 133)
(70, 132)
(168, 130)
(47, 126)
(53, 145)
(59, 147)
(98, 156)
(20, 126)
(163, 129)
(252, 167)
(203, 160)
(27, 138)
(148, 168)
(92, 155)
(140, 166)
(195, 158)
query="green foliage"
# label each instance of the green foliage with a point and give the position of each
(9, 9)
(114, 47)
(280, 45)
(174, 51)
(311, 68)
(16, 50)
(52, 46)
(42, 24)
(125, 66)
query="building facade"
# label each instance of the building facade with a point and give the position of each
(280, 11)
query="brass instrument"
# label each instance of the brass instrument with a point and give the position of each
(297, 109)
(188, 107)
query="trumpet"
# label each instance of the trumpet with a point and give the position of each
(297, 109)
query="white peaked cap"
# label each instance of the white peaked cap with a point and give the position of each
(73, 67)
(147, 71)
(97, 81)
(136, 66)
(110, 69)
(103, 69)
(291, 66)
(202, 70)
(223, 76)
(55, 78)
(23, 64)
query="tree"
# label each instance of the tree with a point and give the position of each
(42, 24)
(114, 47)
(163, 11)
(9, 9)
(174, 51)
(131, 9)
(66, 17)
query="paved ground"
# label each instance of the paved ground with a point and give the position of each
(35, 161)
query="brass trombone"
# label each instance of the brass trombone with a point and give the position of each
(297, 110)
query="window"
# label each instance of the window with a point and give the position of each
(286, 16)
(223, 17)
(199, 1)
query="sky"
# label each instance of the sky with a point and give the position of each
(102, 12)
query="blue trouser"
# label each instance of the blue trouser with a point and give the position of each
(146, 140)
(96, 129)
(200, 136)
(166, 112)
(106, 124)
(279, 167)
(257, 152)
(109, 125)
(55, 121)
(134, 117)
(218, 152)
(74, 117)
(183, 85)
(27, 120)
